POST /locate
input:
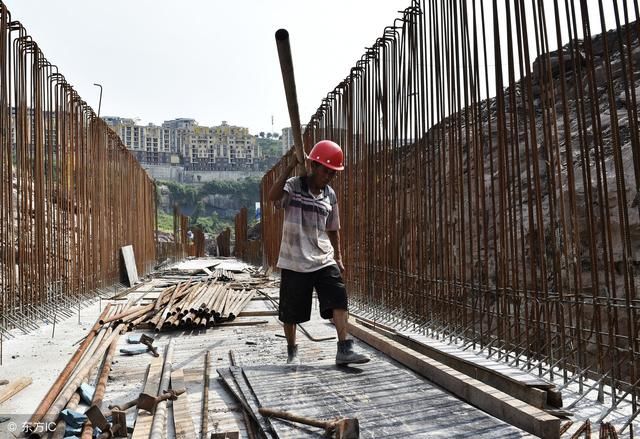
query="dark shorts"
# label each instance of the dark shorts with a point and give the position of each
(296, 293)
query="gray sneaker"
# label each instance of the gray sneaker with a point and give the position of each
(292, 355)
(346, 354)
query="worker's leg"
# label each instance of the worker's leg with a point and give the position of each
(290, 333)
(296, 291)
(332, 296)
(340, 317)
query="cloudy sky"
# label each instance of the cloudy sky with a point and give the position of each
(210, 60)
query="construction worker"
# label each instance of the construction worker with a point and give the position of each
(310, 250)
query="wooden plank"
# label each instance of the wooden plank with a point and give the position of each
(14, 387)
(243, 323)
(144, 420)
(257, 313)
(227, 435)
(483, 396)
(524, 392)
(182, 419)
(130, 264)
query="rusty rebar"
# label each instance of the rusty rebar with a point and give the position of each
(491, 188)
(71, 194)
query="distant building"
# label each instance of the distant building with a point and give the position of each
(287, 138)
(183, 141)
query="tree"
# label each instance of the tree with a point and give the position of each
(262, 134)
(268, 135)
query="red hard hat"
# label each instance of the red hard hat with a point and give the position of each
(328, 154)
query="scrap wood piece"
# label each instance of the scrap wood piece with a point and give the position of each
(182, 419)
(142, 427)
(14, 387)
(483, 396)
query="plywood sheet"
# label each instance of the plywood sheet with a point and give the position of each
(130, 264)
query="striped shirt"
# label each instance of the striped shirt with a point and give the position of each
(305, 245)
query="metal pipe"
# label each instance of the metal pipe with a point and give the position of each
(98, 395)
(158, 427)
(62, 400)
(288, 77)
(60, 382)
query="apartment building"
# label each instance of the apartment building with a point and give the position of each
(183, 141)
(287, 138)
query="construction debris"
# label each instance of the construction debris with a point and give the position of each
(14, 387)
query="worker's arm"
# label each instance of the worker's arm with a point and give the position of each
(277, 190)
(334, 237)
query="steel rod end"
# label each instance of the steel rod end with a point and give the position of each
(282, 35)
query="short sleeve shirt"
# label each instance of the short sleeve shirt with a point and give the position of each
(305, 245)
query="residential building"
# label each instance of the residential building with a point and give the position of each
(183, 141)
(287, 138)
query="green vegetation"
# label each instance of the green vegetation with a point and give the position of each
(165, 222)
(271, 147)
(194, 200)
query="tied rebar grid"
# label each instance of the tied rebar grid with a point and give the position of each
(491, 182)
(71, 193)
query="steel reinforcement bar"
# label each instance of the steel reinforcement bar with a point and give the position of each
(492, 179)
(70, 193)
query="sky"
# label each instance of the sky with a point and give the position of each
(212, 60)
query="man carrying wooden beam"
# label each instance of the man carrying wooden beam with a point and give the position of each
(310, 250)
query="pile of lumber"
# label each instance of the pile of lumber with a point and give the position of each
(187, 305)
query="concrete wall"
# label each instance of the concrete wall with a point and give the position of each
(192, 176)
(164, 172)
(177, 173)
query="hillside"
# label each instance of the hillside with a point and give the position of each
(211, 205)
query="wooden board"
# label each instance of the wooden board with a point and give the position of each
(499, 375)
(483, 396)
(130, 264)
(144, 420)
(181, 411)
(14, 387)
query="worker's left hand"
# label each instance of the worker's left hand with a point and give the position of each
(340, 265)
